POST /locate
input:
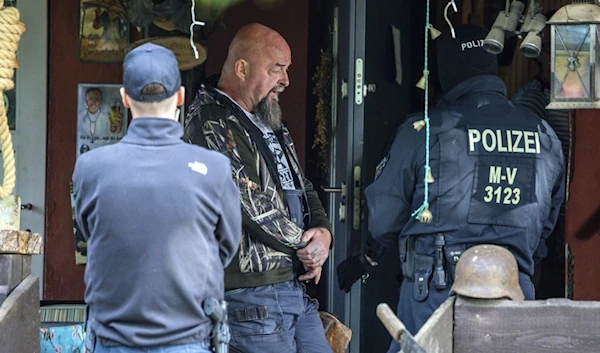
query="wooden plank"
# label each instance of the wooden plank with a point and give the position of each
(499, 326)
(26, 268)
(20, 242)
(10, 213)
(20, 318)
(436, 335)
(11, 270)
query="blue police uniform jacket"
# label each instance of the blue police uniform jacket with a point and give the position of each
(498, 175)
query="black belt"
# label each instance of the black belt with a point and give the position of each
(419, 268)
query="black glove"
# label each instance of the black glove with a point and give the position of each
(351, 270)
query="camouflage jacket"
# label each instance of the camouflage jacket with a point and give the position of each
(270, 238)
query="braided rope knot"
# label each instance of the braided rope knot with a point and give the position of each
(11, 29)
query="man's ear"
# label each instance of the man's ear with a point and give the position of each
(242, 69)
(125, 98)
(180, 96)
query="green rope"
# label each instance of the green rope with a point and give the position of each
(425, 205)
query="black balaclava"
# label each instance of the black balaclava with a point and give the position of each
(464, 57)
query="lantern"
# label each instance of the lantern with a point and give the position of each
(574, 57)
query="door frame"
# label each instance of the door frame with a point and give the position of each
(29, 136)
(346, 152)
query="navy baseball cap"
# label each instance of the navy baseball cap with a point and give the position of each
(150, 63)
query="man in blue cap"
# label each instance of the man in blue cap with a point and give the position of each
(497, 177)
(161, 218)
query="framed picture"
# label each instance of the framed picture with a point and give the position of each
(101, 116)
(101, 120)
(103, 30)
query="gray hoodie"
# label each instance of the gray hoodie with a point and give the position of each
(162, 220)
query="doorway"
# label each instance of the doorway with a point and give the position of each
(373, 91)
(369, 102)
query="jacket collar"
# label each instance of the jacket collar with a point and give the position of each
(153, 132)
(479, 83)
(211, 95)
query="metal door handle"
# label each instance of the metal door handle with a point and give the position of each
(342, 191)
(27, 206)
(333, 189)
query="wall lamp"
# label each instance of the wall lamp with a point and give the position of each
(575, 57)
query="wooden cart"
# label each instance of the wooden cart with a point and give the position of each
(19, 288)
(465, 325)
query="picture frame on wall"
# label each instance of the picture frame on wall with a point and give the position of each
(101, 120)
(103, 30)
(101, 116)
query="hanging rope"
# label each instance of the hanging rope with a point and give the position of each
(11, 29)
(422, 213)
(194, 23)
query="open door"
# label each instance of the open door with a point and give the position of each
(370, 98)
(344, 205)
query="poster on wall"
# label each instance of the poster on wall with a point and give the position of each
(103, 30)
(101, 121)
(101, 116)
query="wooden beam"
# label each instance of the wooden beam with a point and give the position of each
(13, 269)
(436, 334)
(20, 242)
(498, 326)
(20, 318)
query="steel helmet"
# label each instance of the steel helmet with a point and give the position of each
(487, 272)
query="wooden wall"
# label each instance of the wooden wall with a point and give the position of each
(583, 207)
(64, 279)
(499, 326)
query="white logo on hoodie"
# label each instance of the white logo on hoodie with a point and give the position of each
(198, 167)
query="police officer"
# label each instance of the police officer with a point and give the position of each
(497, 177)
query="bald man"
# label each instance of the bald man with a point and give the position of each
(286, 235)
